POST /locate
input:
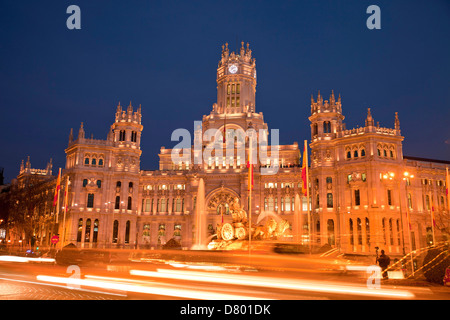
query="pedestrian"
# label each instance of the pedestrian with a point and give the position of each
(384, 261)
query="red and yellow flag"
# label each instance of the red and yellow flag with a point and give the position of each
(304, 177)
(58, 188)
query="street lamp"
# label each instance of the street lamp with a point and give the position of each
(406, 177)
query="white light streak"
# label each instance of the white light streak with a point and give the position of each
(290, 284)
(128, 287)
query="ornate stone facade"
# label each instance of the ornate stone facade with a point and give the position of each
(358, 201)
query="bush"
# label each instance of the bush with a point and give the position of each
(435, 262)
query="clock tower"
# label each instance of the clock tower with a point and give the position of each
(236, 81)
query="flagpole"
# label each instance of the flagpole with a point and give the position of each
(66, 196)
(307, 195)
(432, 218)
(57, 195)
(250, 187)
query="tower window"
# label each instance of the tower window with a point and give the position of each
(90, 200)
(327, 127)
(85, 182)
(117, 203)
(129, 203)
(86, 161)
(122, 135)
(99, 183)
(133, 136)
(355, 154)
(100, 162)
(238, 88)
(329, 200)
(357, 198)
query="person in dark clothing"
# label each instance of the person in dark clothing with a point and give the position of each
(384, 261)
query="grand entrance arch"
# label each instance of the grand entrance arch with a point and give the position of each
(220, 200)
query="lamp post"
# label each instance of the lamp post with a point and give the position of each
(406, 177)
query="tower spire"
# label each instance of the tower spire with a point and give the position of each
(397, 122)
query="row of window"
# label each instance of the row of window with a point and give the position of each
(122, 136)
(272, 185)
(93, 162)
(99, 183)
(146, 233)
(287, 204)
(179, 186)
(356, 154)
(439, 183)
(326, 128)
(162, 205)
(233, 88)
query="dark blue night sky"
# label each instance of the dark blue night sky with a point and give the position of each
(164, 55)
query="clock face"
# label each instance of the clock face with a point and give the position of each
(233, 68)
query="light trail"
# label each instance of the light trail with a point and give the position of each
(62, 286)
(129, 287)
(289, 284)
(24, 259)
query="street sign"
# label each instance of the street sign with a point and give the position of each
(54, 239)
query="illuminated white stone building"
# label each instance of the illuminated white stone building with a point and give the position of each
(359, 198)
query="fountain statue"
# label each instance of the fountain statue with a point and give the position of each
(229, 233)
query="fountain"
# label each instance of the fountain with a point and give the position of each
(200, 226)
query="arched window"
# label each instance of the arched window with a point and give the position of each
(95, 235)
(129, 203)
(315, 131)
(100, 162)
(287, 204)
(359, 228)
(427, 202)
(85, 182)
(90, 200)
(80, 229)
(355, 154)
(86, 161)
(363, 153)
(87, 233)
(94, 162)
(122, 135)
(326, 127)
(349, 155)
(352, 242)
(330, 231)
(329, 200)
(391, 233)
(379, 152)
(177, 231)
(127, 232)
(117, 203)
(99, 183)
(115, 231)
(367, 231)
